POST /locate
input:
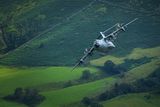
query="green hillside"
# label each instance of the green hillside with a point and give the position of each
(80, 31)
(76, 93)
(137, 53)
(40, 41)
(33, 76)
(13, 77)
(134, 100)
(21, 21)
(25, 77)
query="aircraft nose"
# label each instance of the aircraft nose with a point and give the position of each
(96, 44)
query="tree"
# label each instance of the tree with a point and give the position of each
(68, 83)
(86, 101)
(96, 104)
(2, 33)
(110, 68)
(30, 97)
(18, 94)
(86, 75)
(90, 102)
(103, 96)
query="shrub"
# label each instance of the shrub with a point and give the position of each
(86, 75)
(86, 101)
(30, 97)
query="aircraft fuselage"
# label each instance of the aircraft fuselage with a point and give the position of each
(103, 45)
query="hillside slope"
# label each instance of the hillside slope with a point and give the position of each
(134, 100)
(72, 36)
(40, 77)
(21, 21)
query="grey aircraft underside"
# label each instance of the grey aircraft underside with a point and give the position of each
(104, 43)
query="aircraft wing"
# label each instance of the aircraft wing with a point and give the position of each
(112, 34)
(86, 54)
(107, 30)
(120, 28)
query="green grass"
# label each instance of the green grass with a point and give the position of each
(4, 103)
(137, 53)
(90, 89)
(78, 33)
(76, 93)
(66, 43)
(27, 12)
(141, 71)
(11, 78)
(134, 100)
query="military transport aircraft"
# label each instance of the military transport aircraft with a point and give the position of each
(104, 43)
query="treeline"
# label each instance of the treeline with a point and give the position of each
(151, 83)
(87, 76)
(112, 69)
(90, 102)
(146, 5)
(29, 97)
(149, 5)
(14, 33)
(108, 69)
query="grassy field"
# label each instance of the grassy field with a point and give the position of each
(27, 77)
(60, 97)
(23, 77)
(134, 100)
(13, 77)
(10, 104)
(76, 93)
(141, 71)
(47, 59)
(137, 53)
